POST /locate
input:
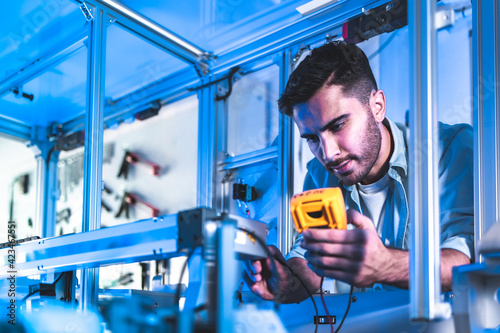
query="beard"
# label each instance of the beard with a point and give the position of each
(371, 143)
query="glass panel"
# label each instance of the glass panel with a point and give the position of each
(69, 205)
(32, 28)
(253, 116)
(168, 140)
(17, 188)
(132, 63)
(58, 94)
(126, 276)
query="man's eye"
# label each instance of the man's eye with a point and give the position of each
(336, 127)
(312, 139)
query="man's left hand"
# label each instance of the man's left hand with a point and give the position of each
(356, 256)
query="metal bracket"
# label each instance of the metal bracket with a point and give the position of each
(54, 132)
(297, 56)
(86, 12)
(207, 56)
(111, 19)
(445, 18)
(202, 68)
(366, 11)
(227, 177)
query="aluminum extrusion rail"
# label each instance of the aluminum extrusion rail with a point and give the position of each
(243, 160)
(285, 164)
(15, 129)
(133, 242)
(425, 260)
(486, 115)
(153, 32)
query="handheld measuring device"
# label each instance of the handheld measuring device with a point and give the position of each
(322, 208)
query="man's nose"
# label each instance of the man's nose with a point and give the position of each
(330, 149)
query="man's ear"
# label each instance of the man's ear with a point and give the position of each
(377, 105)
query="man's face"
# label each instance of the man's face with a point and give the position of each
(342, 133)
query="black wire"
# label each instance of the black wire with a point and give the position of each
(49, 155)
(30, 294)
(305, 287)
(190, 254)
(268, 253)
(230, 75)
(346, 311)
(264, 246)
(38, 290)
(200, 307)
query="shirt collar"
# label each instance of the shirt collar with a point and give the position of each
(398, 157)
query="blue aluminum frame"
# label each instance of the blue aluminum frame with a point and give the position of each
(247, 159)
(285, 165)
(119, 244)
(46, 197)
(153, 33)
(226, 267)
(14, 129)
(425, 281)
(207, 134)
(486, 119)
(92, 177)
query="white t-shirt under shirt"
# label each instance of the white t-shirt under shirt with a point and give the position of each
(377, 203)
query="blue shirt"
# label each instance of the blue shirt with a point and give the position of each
(456, 192)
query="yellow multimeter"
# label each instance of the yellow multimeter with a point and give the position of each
(322, 207)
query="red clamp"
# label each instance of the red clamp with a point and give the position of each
(130, 199)
(133, 158)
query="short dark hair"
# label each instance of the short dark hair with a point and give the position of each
(335, 63)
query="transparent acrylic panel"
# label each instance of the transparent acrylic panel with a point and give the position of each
(132, 63)
(125, 276)
(69, 206)
(17, 188)
(169, 140)
(253, 116)
(58, 94)
(32, 28)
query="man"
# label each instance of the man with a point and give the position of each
(337, 107)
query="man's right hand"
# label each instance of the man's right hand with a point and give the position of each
(269, 280)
